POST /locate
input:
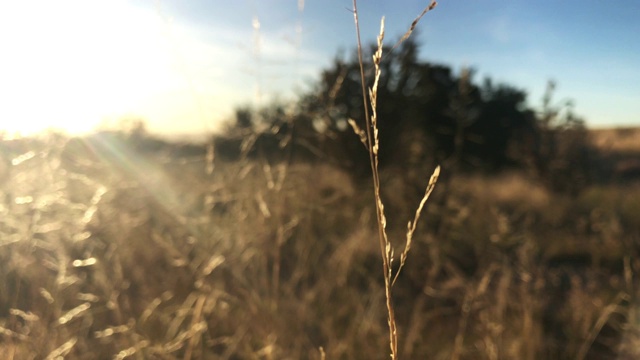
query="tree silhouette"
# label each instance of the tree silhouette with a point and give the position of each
(428, 115)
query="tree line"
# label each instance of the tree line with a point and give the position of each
(429, 115)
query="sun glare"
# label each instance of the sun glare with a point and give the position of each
(71, 65)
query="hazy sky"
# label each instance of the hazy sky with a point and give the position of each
(183, 65)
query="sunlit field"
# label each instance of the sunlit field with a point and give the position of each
(116, 246)
(283, 235)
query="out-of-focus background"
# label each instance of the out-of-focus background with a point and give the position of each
(178, 180)
(184, 66)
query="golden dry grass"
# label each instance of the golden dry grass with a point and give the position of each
(273, 260)
(108, 251)
(370, 139)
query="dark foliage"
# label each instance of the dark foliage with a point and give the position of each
(428, 115)
(564, 159)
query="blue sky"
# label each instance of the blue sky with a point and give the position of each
(184, 65)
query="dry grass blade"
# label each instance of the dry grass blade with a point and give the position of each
(372, 141)
(73, 313)
(62, 350)
(411, 225)
(195, 322)
(602, 320)
(372, 144)
(358, 131)
(415, 22)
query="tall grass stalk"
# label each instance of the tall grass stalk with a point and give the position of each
(371, 141)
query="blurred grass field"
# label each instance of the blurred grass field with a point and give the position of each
(114, 249)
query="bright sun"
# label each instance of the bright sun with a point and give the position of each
(72, 64)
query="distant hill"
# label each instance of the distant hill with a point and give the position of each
(619, 152)
(616, 139)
